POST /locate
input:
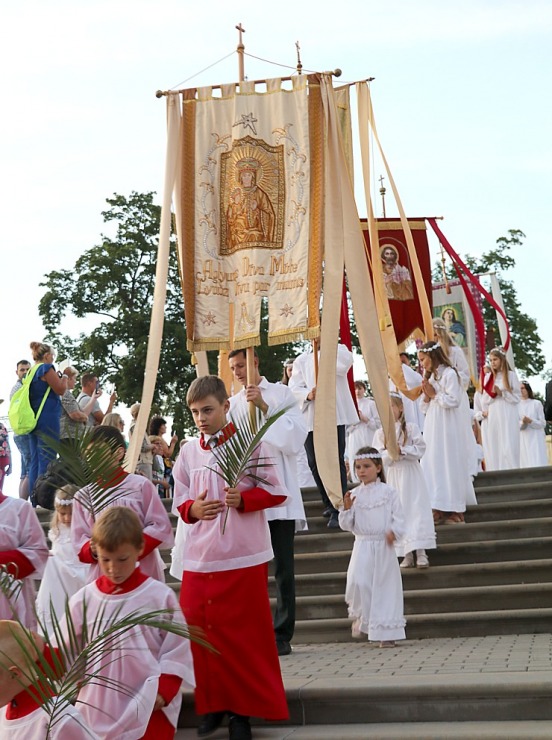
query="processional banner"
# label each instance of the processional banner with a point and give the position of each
(398, 282)
(454, 309)
(251, 193)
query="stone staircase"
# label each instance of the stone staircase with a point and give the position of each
(492, 575)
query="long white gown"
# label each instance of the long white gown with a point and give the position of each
(361, 434)
(532, 442)
(446, 464)
(63, 576)
(406, 475)
(374, 588)
(502, 435)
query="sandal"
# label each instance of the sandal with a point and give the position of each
(438, 517)
(387, 644)
(455, 518)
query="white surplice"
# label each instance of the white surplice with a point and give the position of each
(20, 530)
(70, 725)
(140, 495)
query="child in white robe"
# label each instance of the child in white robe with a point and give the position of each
(22, 713)
(532, 425)
(23, 555)
(406, 475)
(64, 574)
(446, 462)
(149, 665)
(361, 434)
(502, 395)
(138, 494)
(372, 512)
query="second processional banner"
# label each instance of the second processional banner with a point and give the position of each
(251, 208)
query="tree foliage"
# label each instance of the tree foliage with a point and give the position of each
(526, 342)
(110, 289)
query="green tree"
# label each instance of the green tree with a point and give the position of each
(110, 289)
(526, 342)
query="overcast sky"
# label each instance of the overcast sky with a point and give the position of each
(462, 100)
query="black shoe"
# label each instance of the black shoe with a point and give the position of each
(328, 512)
(210, 723)
(333, 522)
(239, 728)
(283, 647)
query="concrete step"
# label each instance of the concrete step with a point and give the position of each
(452, 698)
(514, 492)
(446, 624)
(436, 601)
(532, 730)
(435, 577)
(513, 477)
(497, 511)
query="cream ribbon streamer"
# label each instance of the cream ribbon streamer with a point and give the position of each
(160, 291)
(344, 248)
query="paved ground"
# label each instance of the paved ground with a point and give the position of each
(368, 664)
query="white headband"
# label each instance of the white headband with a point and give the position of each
(63, 501)
(425, 350)
(368, 456)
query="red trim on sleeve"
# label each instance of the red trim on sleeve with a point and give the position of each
(255, 499)
(169, 686)
(184, 511)
(17, 564)
(85, 554)
(150, 543)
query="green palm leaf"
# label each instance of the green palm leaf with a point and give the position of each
(92, 466)
(235, 458)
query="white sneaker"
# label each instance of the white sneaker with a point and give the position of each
(408, 560)
(422, 560)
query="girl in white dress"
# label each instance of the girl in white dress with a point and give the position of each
(372, 512)
(406, 475)
(445, 463)
(457, 358)
(502, 394)
(361, 434)
(532, 424)
(64, 574)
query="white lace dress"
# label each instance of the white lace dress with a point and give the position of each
(406, 475)
(374, 592)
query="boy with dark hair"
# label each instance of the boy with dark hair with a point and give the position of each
(133, 491)
(224, 584)
(136, 689)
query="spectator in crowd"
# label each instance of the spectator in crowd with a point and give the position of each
(47, 385)
(22, 440)
(91, 391)
(113, 419)
(73, 420)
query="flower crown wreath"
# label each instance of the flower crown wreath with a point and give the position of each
(427, 350)
(63, 501)
(500, 350)
(368, 456)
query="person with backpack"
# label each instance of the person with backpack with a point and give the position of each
(46, 387)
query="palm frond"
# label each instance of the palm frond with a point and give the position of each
(10, 587)
(236, 457)
(92, 467)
